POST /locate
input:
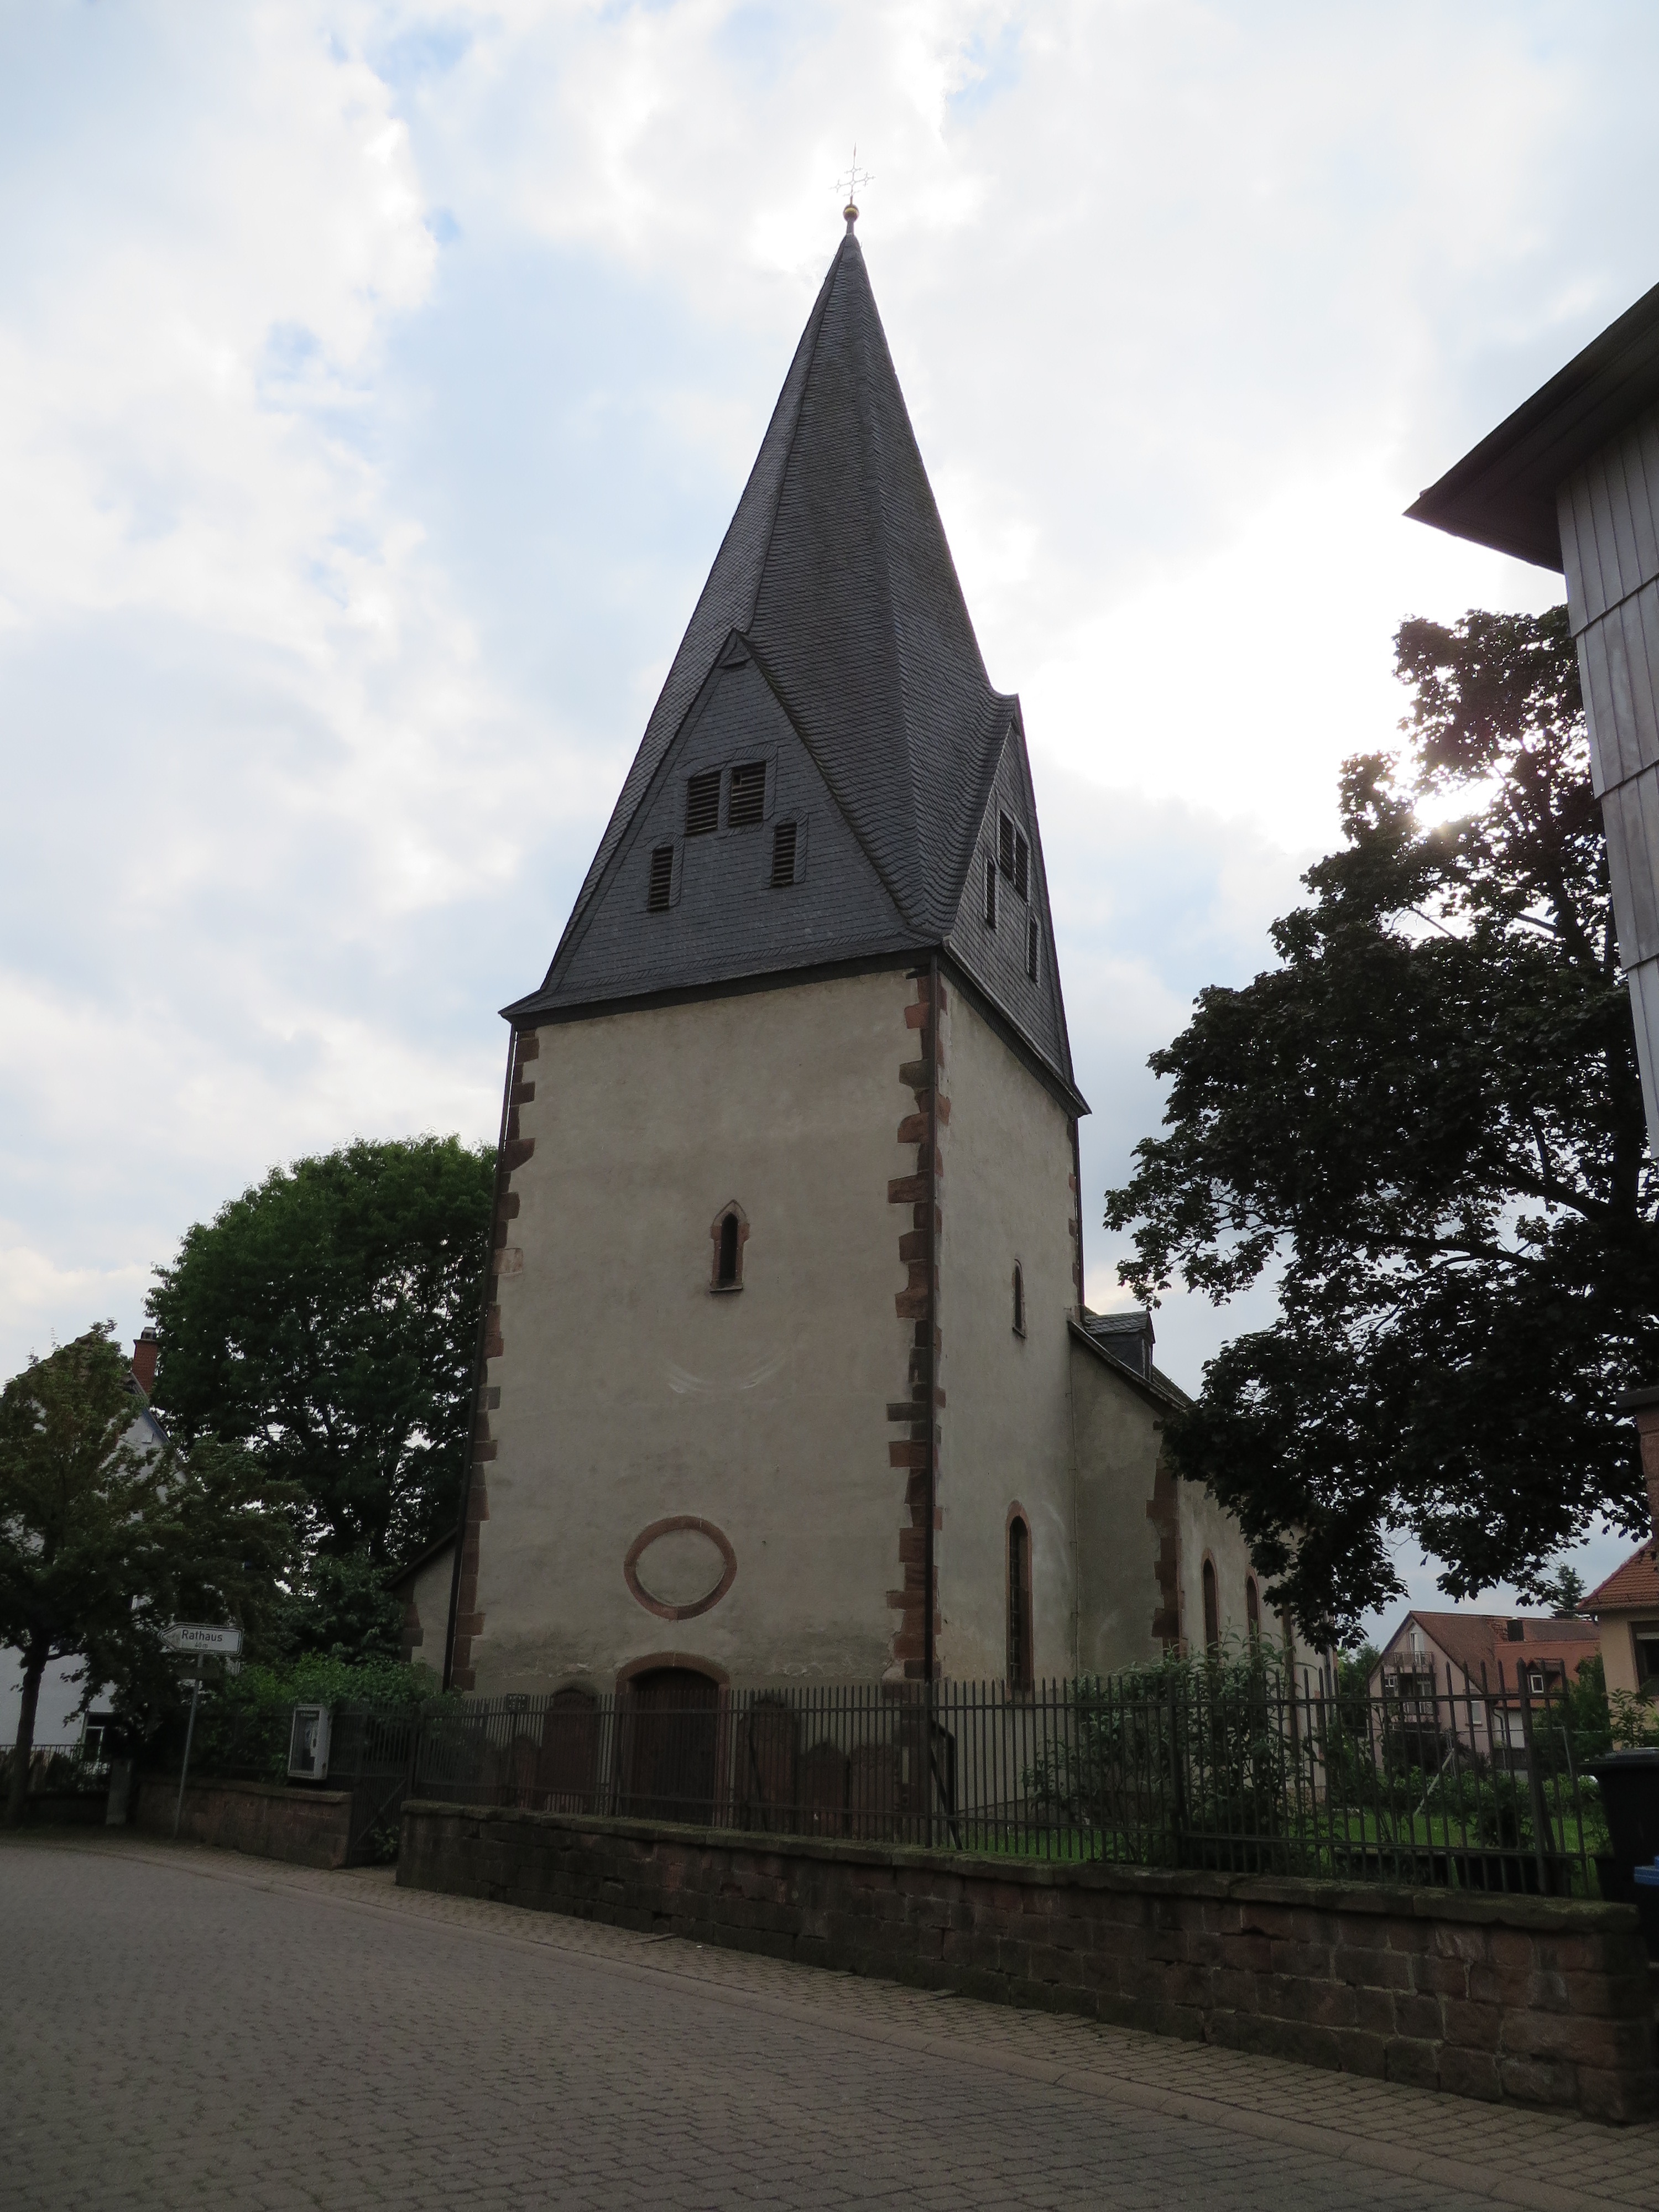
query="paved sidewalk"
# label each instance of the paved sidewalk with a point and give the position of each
(184, 2026)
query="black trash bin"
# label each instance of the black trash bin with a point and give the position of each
(1629, 1783)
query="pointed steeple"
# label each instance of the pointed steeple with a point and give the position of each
(835, 580)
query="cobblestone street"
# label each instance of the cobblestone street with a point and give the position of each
(185, 2027)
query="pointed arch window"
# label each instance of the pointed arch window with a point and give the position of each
(1020, 1667)
(1211, 1610)
(729, 1233)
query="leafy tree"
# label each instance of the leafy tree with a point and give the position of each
(1427, 1123)
(327, 1320)
(102, 1544)
(342, 1612)
(1585, 1711)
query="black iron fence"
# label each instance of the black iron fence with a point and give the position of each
(1234, 1766)
(60, 1770)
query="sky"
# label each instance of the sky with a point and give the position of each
(376, 382)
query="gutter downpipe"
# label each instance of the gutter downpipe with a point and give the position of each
(930, 1657)
(478, 1362)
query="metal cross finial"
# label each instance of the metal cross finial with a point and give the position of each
(853, 178)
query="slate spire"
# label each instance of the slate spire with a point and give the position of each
(835, 580)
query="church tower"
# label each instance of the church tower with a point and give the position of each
(787, 1257)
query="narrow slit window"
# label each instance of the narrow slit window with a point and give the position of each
(703, 804)
(1211, 1609)
(1252, 1609)
(662, 880)
(729, 1231)
(1019, 1300)
(1022, 867)
(1031, 946)
(746, 809)
(990, 892)
(783, 855)
(1019, 1605)
(1006, 846)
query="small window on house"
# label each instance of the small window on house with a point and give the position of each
(1645, 1636)
(662, 880)
(783, 855)
(1019, 1605)
(1031, 946)
(728, 1250)
(1535, 1681)
(1252, 1609)
(1006, 846)
(1211, 1609)
(746, 809)
(1019, 1300)
(1022, 867)
(990, 892)
(703, 804)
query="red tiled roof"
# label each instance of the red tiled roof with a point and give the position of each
(1631, 1588)
(1473, 1640)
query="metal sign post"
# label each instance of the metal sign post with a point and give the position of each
(201, 1638)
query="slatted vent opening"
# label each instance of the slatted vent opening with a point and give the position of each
(662, 880)
(783, 855)
(1014, 856)
(748, 807)
(1032, 947)
(703, 804)
(990, 892)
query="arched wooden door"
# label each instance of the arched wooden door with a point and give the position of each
(673, 1739)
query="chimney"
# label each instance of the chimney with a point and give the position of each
(1645, 1405)
(145, 1353)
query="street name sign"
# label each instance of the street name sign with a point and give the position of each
(199, 1636)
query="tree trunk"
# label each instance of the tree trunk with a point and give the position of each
(34, 1665)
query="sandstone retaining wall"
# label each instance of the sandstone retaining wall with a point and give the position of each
(309, 1827)
(1539, 2000)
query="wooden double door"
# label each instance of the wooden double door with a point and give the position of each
(671, 1740)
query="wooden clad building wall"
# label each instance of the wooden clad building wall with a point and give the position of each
(1609, 516)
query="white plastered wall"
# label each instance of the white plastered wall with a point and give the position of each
(630, 1392)
(1118, 1435)
(1005, 1196)
(429, 1595)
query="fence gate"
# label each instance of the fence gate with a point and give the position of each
(372, 1755)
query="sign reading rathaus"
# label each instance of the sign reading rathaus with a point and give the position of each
(787, 1369)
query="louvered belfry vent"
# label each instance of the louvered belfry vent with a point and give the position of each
(1014, 855)
(703, 804)
(748, 804)
(1032, 947)
(658, 896)
(783, 855)
(990, 892)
